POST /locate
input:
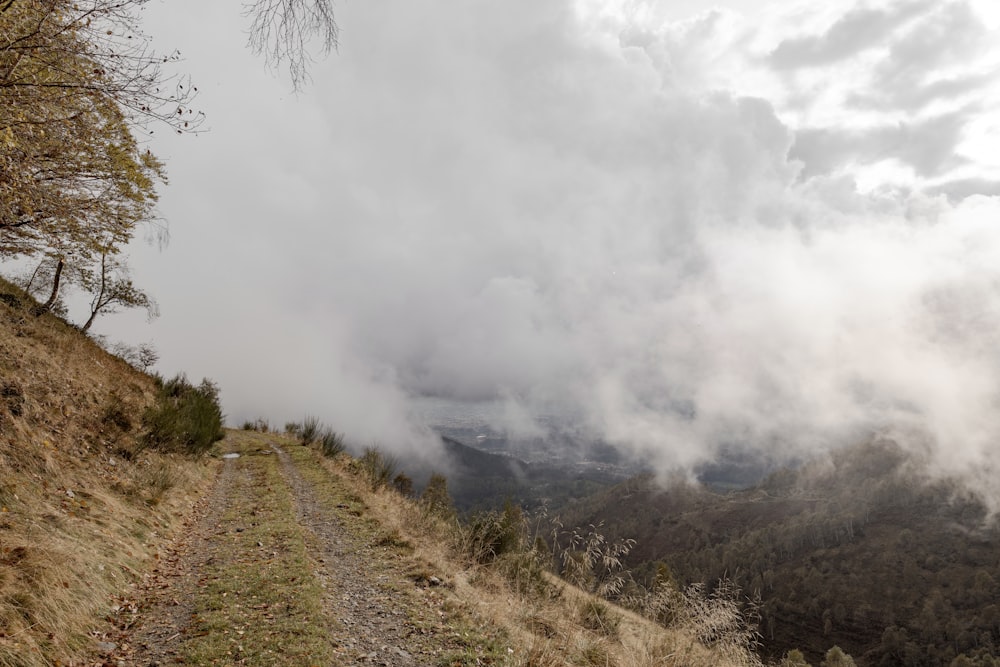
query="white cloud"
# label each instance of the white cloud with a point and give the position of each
(849, 72)
(858, 30)
(597, 217)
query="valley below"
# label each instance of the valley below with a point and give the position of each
(864, 550)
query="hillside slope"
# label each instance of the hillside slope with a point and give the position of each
(861, 551)
(82, 507)
(481, 480)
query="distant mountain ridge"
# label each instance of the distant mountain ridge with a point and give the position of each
(479, 480)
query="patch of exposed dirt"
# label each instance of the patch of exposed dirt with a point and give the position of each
(376, 623)
(383, 618)
(150, 624)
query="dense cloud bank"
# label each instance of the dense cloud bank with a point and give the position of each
(675, 234)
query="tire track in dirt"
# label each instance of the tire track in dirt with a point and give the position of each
(154, 636)
(373, 605)
(375, 625)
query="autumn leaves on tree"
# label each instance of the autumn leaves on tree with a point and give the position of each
(76, 82)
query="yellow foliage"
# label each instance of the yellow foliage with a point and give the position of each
(74, 182)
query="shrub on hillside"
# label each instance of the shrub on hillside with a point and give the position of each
(598, 616)
(594, 564)
(501, 540)
(378, 467)
(492, 534)
(836, 657)
(436, 500)
(142, 357)
(403, 484)
(723, 621)
(260, 425)
(116, 413)
(185, 417)
(310, 431)
(331, 443)
(794, 658)
(662, 603)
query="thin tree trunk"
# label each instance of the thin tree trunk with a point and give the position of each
(90, 320)
(34, 274)
(98, 303)
(55, 290)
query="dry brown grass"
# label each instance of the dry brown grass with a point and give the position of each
(80, 509)
(544, 630)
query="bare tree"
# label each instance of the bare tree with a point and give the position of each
(111, 287)
(283, 31)
(146, 356)
(142, 356)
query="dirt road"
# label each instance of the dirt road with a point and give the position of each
(281, 565)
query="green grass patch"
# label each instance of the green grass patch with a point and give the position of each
(475, 648)
(335, 497)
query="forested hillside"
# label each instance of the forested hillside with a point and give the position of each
(861, 551)
(479, 480)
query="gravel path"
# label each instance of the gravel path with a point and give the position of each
(380, 609)
(152, 635)
(374, 625)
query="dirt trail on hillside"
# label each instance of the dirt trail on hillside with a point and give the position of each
(375, 614)
(169, 590)
(372, 626)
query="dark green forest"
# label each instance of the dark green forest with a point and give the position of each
(479, 480)
(863, 551)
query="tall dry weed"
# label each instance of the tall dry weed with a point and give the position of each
(722, 620)
(594, 564)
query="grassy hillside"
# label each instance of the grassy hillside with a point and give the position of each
(862, 552)
(500, 578)
(96, 514)
(82, 506)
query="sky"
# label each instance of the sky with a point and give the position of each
(770, 227)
